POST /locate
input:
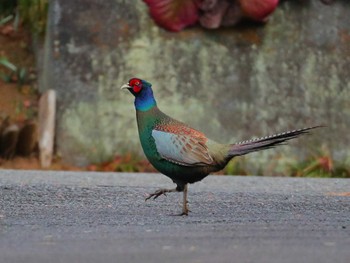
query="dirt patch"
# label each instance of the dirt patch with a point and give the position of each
(18, 101)
(16, 46)
(32, 163)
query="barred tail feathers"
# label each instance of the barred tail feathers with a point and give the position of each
(267, 142)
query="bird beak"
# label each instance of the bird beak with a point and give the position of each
(125, 86)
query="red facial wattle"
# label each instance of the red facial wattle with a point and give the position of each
(136, 85)
(136, 89)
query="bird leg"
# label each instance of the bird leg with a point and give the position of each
(185, 209)
(160, 192)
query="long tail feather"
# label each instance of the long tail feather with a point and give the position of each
(268, 142)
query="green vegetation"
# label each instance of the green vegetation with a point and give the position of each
(130, 162)
(32, 13)
(12, 73)
(237, 166)
(319, 164)
(7, 10)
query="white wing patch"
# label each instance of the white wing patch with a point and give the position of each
(182, 149)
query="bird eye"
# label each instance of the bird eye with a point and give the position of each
(133, 82)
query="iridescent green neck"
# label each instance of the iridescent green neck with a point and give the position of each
(145, 101)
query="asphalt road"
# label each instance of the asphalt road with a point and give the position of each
(102, 217)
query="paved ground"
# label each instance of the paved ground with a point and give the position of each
(95, 217)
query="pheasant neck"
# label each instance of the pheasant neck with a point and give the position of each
(145, 103)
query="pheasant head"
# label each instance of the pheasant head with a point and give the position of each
(142, 90)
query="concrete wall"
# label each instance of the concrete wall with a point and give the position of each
(232, 83)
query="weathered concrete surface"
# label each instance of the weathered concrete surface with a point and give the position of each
(232, 84)
(102, 217)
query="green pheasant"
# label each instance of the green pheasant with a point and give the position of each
(182, 153)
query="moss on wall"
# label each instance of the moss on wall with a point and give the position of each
(231, 83)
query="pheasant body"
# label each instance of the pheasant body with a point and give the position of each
(182, 153)
(156, 122)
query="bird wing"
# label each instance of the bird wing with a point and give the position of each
(185, 147)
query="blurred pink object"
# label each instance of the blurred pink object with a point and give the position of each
(258, 10)
(175, 15)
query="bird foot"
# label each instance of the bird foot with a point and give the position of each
(158, 193)
(184, 213)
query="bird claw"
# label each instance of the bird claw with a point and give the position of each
(184, 213)
(160, 192)
(157, 193)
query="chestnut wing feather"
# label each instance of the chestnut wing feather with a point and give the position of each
(182, 149)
